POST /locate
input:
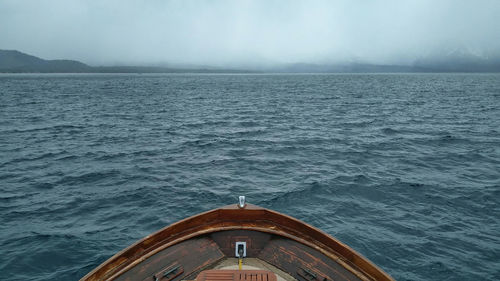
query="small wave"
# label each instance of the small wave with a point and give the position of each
(247, 124)
(33, 158)
(389, 131)
(45, 128)
(90, 177)
(7, 198)
(449, 138)
(43, 185)
(111, 156)
(295, 194)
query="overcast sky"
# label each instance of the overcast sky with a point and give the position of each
(232, 32)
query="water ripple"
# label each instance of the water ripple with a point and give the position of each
(404, 168)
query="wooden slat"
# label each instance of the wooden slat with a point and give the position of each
(236, 275)
(191, 256)
(299, 261)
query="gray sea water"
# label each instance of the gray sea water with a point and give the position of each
(404, 168)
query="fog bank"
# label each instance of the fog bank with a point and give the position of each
(251, 33)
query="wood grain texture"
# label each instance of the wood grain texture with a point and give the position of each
(232, 218)
(236, 275)
(189, 256)
(302, 262)
(226, 240)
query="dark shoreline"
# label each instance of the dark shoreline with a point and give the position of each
(12, 61)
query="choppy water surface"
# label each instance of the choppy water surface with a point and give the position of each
(403, 168)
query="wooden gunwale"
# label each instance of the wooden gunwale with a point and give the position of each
(231, 218)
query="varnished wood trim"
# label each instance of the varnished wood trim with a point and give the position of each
(231, 218)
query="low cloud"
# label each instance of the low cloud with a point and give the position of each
(250, 33)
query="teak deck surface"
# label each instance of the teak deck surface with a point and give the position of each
(194, 255)
(184, 249)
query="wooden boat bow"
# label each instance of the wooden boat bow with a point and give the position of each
(184, 249)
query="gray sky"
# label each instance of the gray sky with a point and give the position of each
(237, 33)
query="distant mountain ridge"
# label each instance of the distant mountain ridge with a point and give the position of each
(12, 61)
(460, 60)
(15, 61)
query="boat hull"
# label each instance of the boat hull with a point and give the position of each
(186, 248)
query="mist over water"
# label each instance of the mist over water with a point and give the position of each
(251, 33)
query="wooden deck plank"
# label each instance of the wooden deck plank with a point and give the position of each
(303, 262)
(191, 256)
